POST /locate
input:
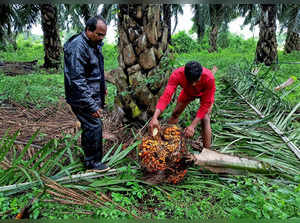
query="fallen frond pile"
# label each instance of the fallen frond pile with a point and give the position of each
(70, 196)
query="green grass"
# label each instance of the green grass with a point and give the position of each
(41, 88)
(197, 197)
(28, 50)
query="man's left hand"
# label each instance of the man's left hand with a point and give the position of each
(189, 131)
(98, 113)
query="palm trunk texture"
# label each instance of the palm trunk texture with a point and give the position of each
(215, 14)
(292, 40)
(143, 41)
(52, 44)
(266, 49)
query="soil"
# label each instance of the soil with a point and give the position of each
(54, 122)
(18, 68)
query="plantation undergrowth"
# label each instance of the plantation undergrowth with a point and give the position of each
(236, 128)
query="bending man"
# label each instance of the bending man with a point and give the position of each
(196, 82)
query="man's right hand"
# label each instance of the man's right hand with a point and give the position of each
(98, 113)
(154, 123)
(214, 70)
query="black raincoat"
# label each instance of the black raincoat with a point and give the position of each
(85, 90)
(84, 74)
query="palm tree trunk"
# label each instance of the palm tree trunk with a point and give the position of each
(292, 41)
(52, 44)
(143, 41)
(167, 18)
(198, 22)
(4, 20)
(213, 36)
(85, 12)
(105, 10)
(215, 15)
(225, 163)
(12, 36)
(266, 49)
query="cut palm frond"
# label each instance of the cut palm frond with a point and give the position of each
(26, 164)
(273, 138)
(16, 188)
(290, 144)
(66, 195)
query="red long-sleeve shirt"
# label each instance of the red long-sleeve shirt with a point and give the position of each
(205, 89)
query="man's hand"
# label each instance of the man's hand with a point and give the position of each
(190, 157)
(98, 113)
(154, 123)
(214, 70)
(189, 131)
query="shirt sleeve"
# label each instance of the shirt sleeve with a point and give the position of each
(166, 97)
(207, 99)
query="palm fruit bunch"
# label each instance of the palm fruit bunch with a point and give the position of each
(164, 153)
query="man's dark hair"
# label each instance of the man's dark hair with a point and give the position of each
(192, 71)
(92, 22)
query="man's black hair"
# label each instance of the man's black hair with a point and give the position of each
(92, 22)
(192, 71)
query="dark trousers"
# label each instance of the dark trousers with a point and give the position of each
(91, 137)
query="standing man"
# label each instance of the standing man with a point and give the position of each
(196, 81)
(85, 87)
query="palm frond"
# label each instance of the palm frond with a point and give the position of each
(201, 19)
(109, 12)
(176, 9)
(66, 195)
(273, 140)
(21, 166)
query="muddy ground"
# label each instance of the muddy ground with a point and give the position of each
(54, 122)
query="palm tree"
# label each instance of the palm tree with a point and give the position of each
(215, 16)
(52, 43)
(287, 15)
(143, 41)
(5, 22)
(21, 17)
(109, 13)
(266, 50)
(215, 11)
(200, 19)
(169, 11)
(70, 15)
(265, 16)
(144, 34)
(16, 18)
